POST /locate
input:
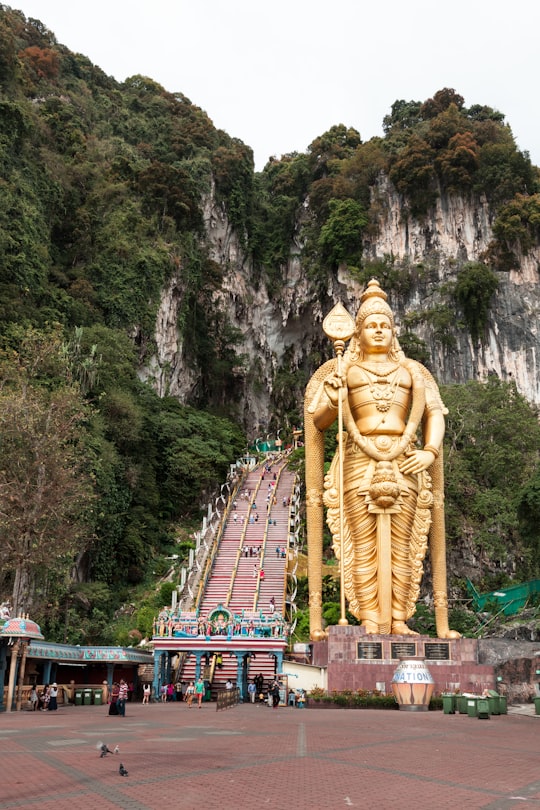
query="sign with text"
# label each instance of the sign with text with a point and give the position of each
(438, 651)
(370, 650)
(403, 649)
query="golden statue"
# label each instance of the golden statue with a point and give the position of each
(383, 493)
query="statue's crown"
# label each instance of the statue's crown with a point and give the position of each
(373, 301)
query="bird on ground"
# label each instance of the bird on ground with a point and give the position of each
(122, 771)
(104, 749)
(116, 749)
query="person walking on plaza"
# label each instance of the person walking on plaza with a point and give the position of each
(113, 700)
(53, 698)
(122, 697)
(252, 691)
(199, 691)
(44, 698)
(146, 694)
(34, 699)
(274, 691)
(190, 691)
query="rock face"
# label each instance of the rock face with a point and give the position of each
(516, 663)
(284, 328)
(167, 369)
(457, 231)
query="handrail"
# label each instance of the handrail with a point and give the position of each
(234, 571)
(216, 542)
(256, 595)
(240, 548)
(241, 544)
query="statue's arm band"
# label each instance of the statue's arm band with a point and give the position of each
(433, 406)
(431, 449)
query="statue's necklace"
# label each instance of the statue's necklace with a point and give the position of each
(383, 389)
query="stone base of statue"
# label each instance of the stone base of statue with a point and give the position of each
(357, 660)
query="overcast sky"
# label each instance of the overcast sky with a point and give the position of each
(278, 73)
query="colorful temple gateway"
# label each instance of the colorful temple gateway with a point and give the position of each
(235, 619)
(237, 623)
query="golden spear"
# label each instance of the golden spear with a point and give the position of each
(339, 327)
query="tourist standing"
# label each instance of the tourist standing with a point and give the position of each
(34, 699)
(122, 697)
(113, 706)
(274, 691)
(44, 698)
(199, 691)
(53, 698)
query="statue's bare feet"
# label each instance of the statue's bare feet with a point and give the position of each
(371, 628)
(400, 629)
(450, 634)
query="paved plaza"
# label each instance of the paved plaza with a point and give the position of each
(250, 757)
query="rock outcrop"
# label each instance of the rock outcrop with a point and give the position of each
(286, 326)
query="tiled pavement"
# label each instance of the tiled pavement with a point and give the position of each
(252, 757)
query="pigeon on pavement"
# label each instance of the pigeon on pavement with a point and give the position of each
(122, 771)
(104, 748)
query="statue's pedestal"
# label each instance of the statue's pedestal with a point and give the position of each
(356, 660)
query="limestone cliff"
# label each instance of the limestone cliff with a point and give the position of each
(286, 327)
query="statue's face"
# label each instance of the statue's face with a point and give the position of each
(376, 334)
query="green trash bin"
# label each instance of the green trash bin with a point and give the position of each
(87, 697)
(472, 706)
(462, 704)
(449, 704)
(98, 694)
(78, 697)
(537, 705)
(503, 704)
(494, 704)
(482, 708)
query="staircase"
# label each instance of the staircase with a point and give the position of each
(255, 538)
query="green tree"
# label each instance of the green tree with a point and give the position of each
(440, 102)
(403, 115)
(518, 223)
(491, 433)
(45, 487)
(340, 238)
(475, 287)
(337, 143)
(457, 164)
(412, 173)
(528, 500)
